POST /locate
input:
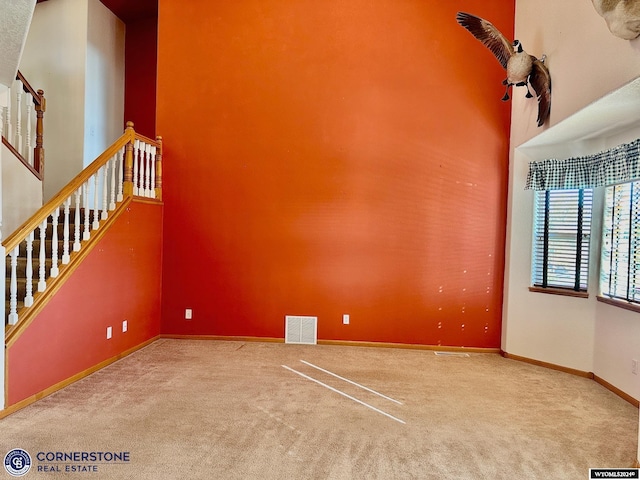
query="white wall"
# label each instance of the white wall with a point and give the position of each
(586, 62)
(104, 83)
(54, 60)
(21, 193)
(75, 53)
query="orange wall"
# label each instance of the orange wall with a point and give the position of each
(333, 157)
(119, 280)
(141, 46)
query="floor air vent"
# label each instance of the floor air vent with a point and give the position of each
(452, 354)
(300, 330)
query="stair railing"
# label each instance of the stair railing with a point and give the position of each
(22, 124)
(48, 241)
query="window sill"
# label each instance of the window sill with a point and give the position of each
(560, 291)
(634, 307)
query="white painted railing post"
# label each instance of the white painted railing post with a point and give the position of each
(17, 142)
(13, 287)
(112, 197)
(152, 182)
(76, 222)
(148, 174)
(42, 282)
(120, 162)
(54, 243)
(136, 167)
(28, 298)
(65, 235)
(105, 187)
(96, 207)
(86, 234)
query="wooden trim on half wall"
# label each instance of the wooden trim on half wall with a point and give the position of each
(435, 348)
(540, 363)
(74, 378)
(580, 373)
(617, 391)
(223, 337)
(345, 343)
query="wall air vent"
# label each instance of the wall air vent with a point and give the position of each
(300, 330)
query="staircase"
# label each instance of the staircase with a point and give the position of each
(29, 255)
(47, 247)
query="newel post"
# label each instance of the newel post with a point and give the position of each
(38, 157)
(159, 168)
(128, 162)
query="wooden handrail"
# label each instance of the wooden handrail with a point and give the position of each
(17, 154)
(126, 140)
(40, 103)
(26, 86)
(31, 224)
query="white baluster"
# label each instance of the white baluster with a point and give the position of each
(96, 207)
(66, 258)
(152, 186)
(18, 139)
(42, 282)
(76, 221)
(136, 159)
(29, 138)
(3, 121)
(105, 192)
(147, 178)
(28, 299)
(13, 287)
(143, 169)
(54, 243)
(120, 176)
(86, 234)
(112, 198)
(8, 116)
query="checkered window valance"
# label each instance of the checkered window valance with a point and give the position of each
(617, 165)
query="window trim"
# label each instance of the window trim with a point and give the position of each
(616, 302)
(567, 292)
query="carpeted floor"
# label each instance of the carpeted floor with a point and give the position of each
(182, 409)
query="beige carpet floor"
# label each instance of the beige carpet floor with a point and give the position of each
(205, 409)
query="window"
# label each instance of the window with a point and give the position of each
(620, 263)
(562, 230)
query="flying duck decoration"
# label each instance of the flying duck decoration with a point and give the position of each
(523, 70)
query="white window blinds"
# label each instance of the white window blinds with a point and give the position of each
(620, 261)
(562, 231)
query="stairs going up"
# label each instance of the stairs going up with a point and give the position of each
(22, 261)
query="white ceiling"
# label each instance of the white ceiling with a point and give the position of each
(14, 26)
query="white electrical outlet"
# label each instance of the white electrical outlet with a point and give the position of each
(109, 332)
(188, 314)
(125, 326)
(345, 319)
(634, 366)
